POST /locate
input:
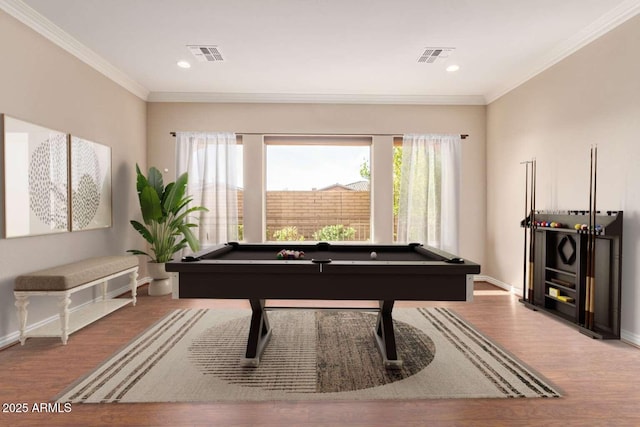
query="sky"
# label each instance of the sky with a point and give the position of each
(291, 167)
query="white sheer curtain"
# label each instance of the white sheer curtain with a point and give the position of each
(429, 191)
(211, 161)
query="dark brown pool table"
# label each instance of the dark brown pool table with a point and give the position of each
(328, 271)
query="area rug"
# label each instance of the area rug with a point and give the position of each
(194, 355)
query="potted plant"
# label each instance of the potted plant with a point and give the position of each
(167, 226)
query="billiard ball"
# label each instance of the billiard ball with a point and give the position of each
(374, 255)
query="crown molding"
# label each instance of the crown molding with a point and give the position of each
(56, 35)
(310, 98)
(46, 28)
(623, 12)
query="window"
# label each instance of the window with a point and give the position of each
(317, 188)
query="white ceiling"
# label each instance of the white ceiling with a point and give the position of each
(322, 50)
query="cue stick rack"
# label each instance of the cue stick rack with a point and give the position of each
(560, 269)
(573, 262)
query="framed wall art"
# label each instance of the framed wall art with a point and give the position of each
(36, 179)
(90, 185)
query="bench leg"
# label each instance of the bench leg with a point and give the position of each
(63, 304)
(133, 284)
(21, 303)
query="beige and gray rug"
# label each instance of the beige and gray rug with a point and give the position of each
(194, 355)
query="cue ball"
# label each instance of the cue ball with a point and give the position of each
(374, 255)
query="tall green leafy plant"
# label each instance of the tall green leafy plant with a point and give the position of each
(165, 215)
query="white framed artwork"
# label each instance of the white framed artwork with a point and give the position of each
(36, 179)
(90, 185)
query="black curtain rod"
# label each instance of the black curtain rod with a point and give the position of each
(462, 136)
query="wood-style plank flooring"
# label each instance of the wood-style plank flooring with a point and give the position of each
(600, 380)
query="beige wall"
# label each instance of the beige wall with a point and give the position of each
(592, 97)
(43, 84)
(164, 118)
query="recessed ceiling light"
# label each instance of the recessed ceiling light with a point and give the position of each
(184, 64)
(452, 68)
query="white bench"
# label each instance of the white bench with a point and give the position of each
(64, 280)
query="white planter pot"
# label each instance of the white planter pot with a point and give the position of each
(157, 270)
(161, 283)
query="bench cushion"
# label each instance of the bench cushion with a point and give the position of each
(78, 273)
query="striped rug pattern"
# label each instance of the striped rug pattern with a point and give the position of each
(194, 355)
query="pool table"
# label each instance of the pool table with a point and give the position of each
(325, 271)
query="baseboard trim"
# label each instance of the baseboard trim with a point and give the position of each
(14, 337)
(630, 338)
(498, 283)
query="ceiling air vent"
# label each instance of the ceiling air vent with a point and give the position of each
(431, 54)
(206, 53)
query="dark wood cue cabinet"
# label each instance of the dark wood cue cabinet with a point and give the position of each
(560, 270)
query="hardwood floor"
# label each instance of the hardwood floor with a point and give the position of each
(600, 380)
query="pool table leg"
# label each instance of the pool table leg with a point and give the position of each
(385, 336)
(259, 334)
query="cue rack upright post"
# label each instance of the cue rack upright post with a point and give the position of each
(529, 215)
(591, 241)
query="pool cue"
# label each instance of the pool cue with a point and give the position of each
(587, 295)
(588, 317)
(592, 288)
(532, 237)
(526, 218)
